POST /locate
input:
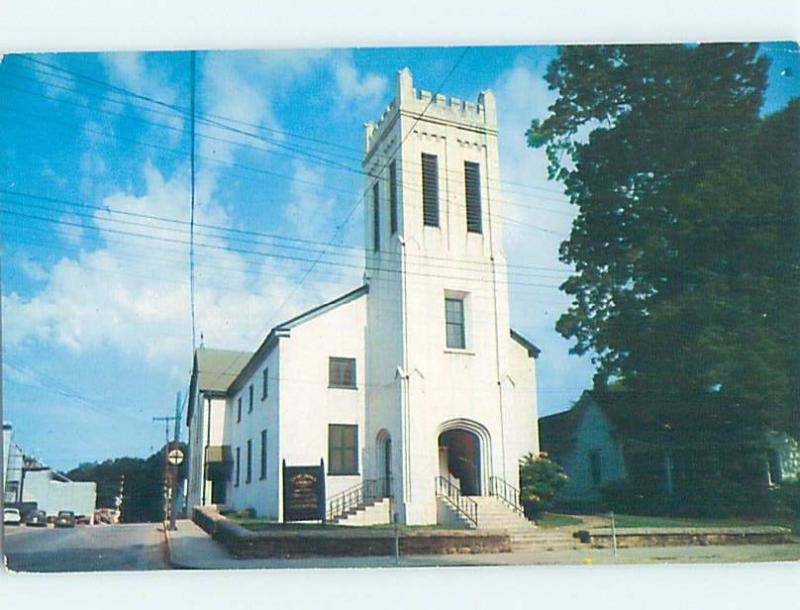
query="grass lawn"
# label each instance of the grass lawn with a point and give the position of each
(260, 525)
(553, 520)
(625, 521)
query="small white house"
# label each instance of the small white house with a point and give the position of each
(411, 389)
(584, 442)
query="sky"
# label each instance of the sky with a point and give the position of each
(94, 212)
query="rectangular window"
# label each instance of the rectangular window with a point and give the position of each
(238, 466)
(264, 384)
(239, 410)
(454, 320)
(342, 449)
(341, 372)
(472, 182)
(249, 471)
(393, 197)
(596, 467)
(430, 190)
(263, 464)
(250, 404)
(376, 217)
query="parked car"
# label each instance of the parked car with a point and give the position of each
(65, 518)
(36, 518)
(11, 516)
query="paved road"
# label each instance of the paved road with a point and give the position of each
(86, 548)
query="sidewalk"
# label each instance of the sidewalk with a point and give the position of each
(191, 548)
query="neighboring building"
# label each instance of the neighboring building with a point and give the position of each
(414, 382)
(783, 458)
(212, 374)
(28, 481)
(53, 492)
(585, 443)
(594, 452)
(12, 466)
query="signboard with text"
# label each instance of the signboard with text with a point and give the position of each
(303, 493)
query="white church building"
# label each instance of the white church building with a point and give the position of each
(411, 393)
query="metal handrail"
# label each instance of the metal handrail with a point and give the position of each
(506, 492)
(465, 505)
(352, 497)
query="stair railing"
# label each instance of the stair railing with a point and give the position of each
(357, 495)
(464, 505)
(506, 492)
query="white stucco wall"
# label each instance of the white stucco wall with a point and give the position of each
(308, 405)
(260, 494)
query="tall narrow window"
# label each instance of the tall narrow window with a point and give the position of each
(342, 449)
(376, 217)
(264, 384)
(393, 197)
(238, 466)
(263, 461)
(454, 320)
(341, 372)
(596, 467)
(430, 190)
(239, 410)
(249, 471)
(472, 184)
(250, 404)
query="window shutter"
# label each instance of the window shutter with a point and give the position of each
(472, 182)
(430, 190)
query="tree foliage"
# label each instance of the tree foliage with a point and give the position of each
(540, 481)
(143, 494)
(685, 247)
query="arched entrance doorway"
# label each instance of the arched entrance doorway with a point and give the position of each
(384, 462)
(460, 460)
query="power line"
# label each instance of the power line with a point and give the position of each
(216, 123)
(359, 250)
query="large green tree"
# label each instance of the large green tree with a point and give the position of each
(685, 246)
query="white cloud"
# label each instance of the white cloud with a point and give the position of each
(367, 89)
(132, 294)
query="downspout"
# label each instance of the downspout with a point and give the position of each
(207, 419)
(496, 321)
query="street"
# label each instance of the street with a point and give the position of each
(86, 548)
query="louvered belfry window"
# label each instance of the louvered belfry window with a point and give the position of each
(472, 182)
(430, 190)
(393, 197)
(376, 217)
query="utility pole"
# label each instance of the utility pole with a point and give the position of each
(167, 487)
(173, 510)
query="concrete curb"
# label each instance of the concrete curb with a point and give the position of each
(175, 564)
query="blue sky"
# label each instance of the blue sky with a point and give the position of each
(96, 324)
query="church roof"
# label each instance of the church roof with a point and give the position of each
(533, 351)
(282, 330)
(557, 432)
(214, 370)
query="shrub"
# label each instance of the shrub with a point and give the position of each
(540, 480)
(785, 499)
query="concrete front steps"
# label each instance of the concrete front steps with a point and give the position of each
(494, 514)
(373, 512)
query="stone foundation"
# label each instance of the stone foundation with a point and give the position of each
(288, 541)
